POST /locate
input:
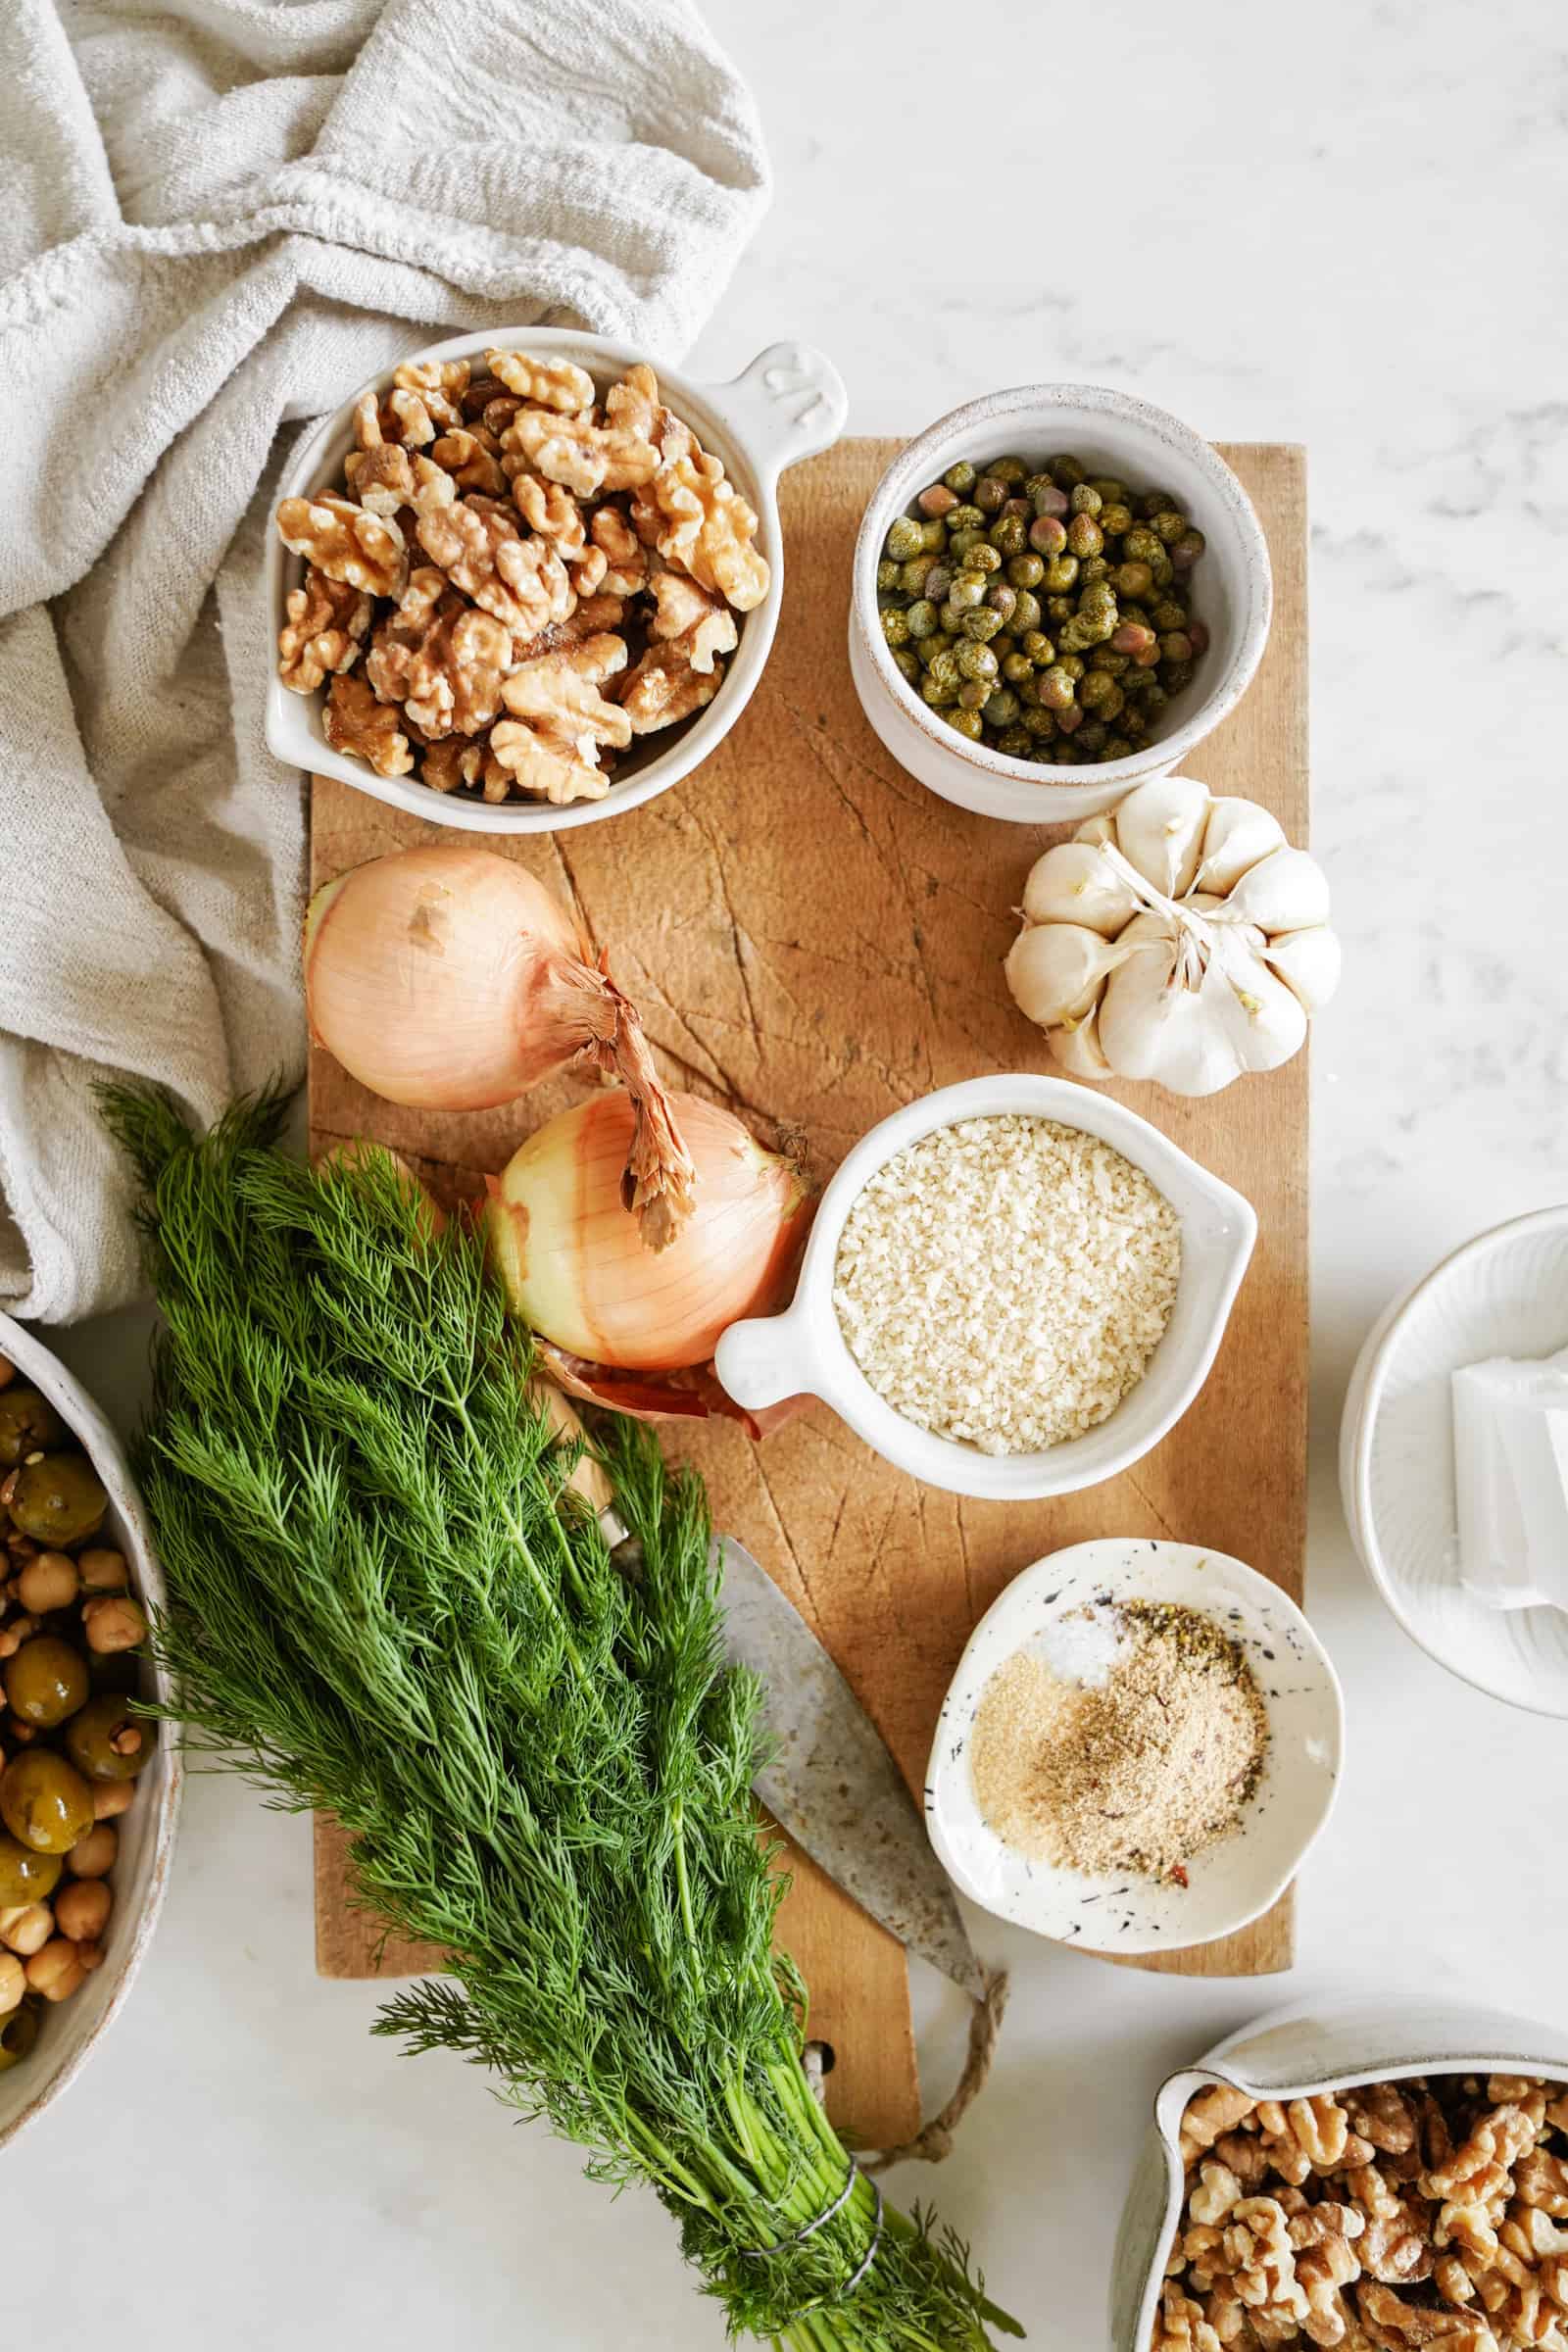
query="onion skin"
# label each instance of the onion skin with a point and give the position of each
(451, 979)
(572, 1270)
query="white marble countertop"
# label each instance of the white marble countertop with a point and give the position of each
(1339, 228)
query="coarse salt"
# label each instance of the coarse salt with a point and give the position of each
(1005, 1281)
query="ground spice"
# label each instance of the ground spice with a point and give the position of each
(1136, 1765)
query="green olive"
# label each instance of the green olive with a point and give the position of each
(25, 1877)
(44, 1802)
(106, 1742)
(46, 1680)
(59, 1500)
(29, 1424)
(17, 2033)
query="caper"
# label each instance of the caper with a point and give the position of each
(939, 500)
(1056, 689)
(1117, 747)
(887, 576)
(933, 535)
(1002, 706)
(906, 664)
(1010, 534)
(1041, 724)
(1039, 647)
(1014, 742)
(1061, 574)
(960, 479)
(1109, 486)
(903, 538)
(895, 629)
(29, 1424)
(928, 648)
(1060, 608)
(44, 1802)
(1025, 570)
(989, 494)
(982, 622)
(1048, 501)
(1076, 636)
(1168, 526)
(1163, 570)
(1085, 499)
(1114, 520)
(920, 620)
(967, 517)
(1112, 663)
(1133, 580)
(966, 722)
(1097, 597)
(974, 693)
(1072, 666)
(1015, 668)
(1154, 502)
(1065, 471)
(1009, 469)
(1048, 534)
(1176, 675)
(983, 556)
(1003, 599)
(1026, 614)
(960, 543)
(968, 589)
(1169, 613)
(913, 575)
(1176, 646)
(938, 581)
(1091, 738)
(1141, 545)
(1186, 550)
(977, 661)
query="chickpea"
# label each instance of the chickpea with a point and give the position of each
(13, 1982)
(93, 1856)
(101, 1570)
(26, 1928)
(82, 1910)
(112, 1797)
(113, 1622)
(56, 1972)
(50, 1582)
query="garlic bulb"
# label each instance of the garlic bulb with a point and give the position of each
(1177, 938)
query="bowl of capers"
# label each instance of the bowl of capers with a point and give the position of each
(89, 1784)
(1059, 591)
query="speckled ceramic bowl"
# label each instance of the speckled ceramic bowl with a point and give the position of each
(1232, 593)
(1503, 1293)
(1293, 2055)
(787, 405)
(72, 2031)
(1235, 1880)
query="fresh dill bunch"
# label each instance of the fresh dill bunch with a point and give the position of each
(385, 1603)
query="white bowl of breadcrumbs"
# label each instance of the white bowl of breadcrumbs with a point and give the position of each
(1014, 1288)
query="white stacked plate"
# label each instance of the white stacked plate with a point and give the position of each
(1503, 1293)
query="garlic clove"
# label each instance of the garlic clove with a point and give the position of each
(1264, 1023)
(1077, 1047)
(1151, 1028)
(1287, 890)
(1097, 829)
(1073, 884)
(1056, 972)
(1307, 961)
(1160, 825)
(1238, 836)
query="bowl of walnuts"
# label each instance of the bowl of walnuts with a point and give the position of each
(522, 582)
(1364, 2173)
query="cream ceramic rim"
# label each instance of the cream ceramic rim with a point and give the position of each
(921, 462)
(1364, 1396)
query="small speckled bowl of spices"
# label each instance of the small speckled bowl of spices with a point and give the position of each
(1014, 1288)
(1140, 1745)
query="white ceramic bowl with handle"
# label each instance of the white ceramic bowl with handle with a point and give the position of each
(789, 403)
(1232, 589)
(72, 2030)
(1295, 2053)
(1503, 1293)
(1232, 1882)
(803, 1353)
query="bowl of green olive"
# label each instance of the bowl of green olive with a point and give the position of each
(89, 1784)
(1059, 591)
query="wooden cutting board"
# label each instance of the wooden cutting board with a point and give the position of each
(815, 939)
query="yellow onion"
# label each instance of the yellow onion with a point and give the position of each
(450, 979)
(574, 1270)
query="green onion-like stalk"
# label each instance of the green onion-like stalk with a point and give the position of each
(383, 1603)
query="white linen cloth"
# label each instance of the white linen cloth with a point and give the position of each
(217, 218)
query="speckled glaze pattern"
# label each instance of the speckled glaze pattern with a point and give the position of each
(1237, 1878)
(789, 403)
(1233, 592)
(803, 1353)
(1503, 1293)
(1294, 2054)
(72, 2031)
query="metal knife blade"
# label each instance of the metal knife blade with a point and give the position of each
(831, 1781)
